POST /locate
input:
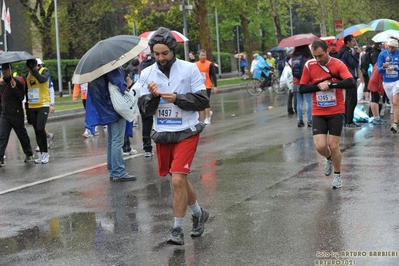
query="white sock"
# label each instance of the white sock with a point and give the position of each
(196, 209)
(178, 222)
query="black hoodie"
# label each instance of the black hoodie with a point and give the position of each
(346, 56)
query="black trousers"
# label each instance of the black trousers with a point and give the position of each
(350, 104)
(16, 122)
(39, 120)
(291, 96)
(146, 132)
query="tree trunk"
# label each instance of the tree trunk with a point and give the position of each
(203, 28)
(247, 37)
(277, 26)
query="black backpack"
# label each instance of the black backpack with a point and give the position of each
(364, 65)
(280, 64)
(298, 62)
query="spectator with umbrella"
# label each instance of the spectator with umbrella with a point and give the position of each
(101, 66)
(12, 93)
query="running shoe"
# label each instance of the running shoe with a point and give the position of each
(198, 223)
(328, 168)
(394, 128)
(337, 181)
(379, 122)
(301, 123)
(131, 152)
(50, 136)
(28, 159)
(148, 154)
(176, 237)
(87, 134)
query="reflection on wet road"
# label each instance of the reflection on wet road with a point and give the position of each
(255, 171)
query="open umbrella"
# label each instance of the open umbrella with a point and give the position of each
(354, 30)
(239, 55)
(108, 55)
(298, 40)
(385, 35)
(179, 37)
(384, 24)
(15, 56)
(331, 39)
(277, 50)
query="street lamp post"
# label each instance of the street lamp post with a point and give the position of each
(58, 49)
(183, 3)
(217, 42)
(291, 18)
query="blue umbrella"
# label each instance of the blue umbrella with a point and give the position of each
(278, 49)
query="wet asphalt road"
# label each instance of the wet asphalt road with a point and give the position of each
(255, 171)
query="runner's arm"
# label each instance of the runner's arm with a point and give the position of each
(343, 84)
(192, 101)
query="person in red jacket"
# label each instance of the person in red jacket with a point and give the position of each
(326, 77)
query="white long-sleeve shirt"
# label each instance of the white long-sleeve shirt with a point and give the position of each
(184, 77)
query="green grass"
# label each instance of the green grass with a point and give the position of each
(67, 98)
(65, 102)
(225, 82)
(64, 107)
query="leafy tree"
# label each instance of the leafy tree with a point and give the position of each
(40, 13)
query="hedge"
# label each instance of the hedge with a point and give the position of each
(68, 68)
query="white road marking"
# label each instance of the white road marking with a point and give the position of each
(61, 176)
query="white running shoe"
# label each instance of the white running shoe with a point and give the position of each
(207, 121)
(37, 149)
(337, 181)
(39, 159)
(87, 134)
(45, 157)
(127, 153)
(50, 136)
(328, 168)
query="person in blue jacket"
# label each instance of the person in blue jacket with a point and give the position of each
(262, 69)
(99, 111)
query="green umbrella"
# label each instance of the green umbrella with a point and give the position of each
(383, 24)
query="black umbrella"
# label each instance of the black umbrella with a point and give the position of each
(15, 56)
(108, 55)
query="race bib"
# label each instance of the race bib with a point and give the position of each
(33, 95)
(326, 98)
(83, 87)
(168, 114)
(203, 75)
(391, 73)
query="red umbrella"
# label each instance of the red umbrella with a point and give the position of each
(298, 40)
(179, 37)
(331, 39)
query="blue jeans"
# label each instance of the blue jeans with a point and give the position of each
(308, 99)
(115, 163)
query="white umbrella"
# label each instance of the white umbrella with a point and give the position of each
(385, 35)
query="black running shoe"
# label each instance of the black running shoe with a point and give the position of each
(176, 236)
(198, 223)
